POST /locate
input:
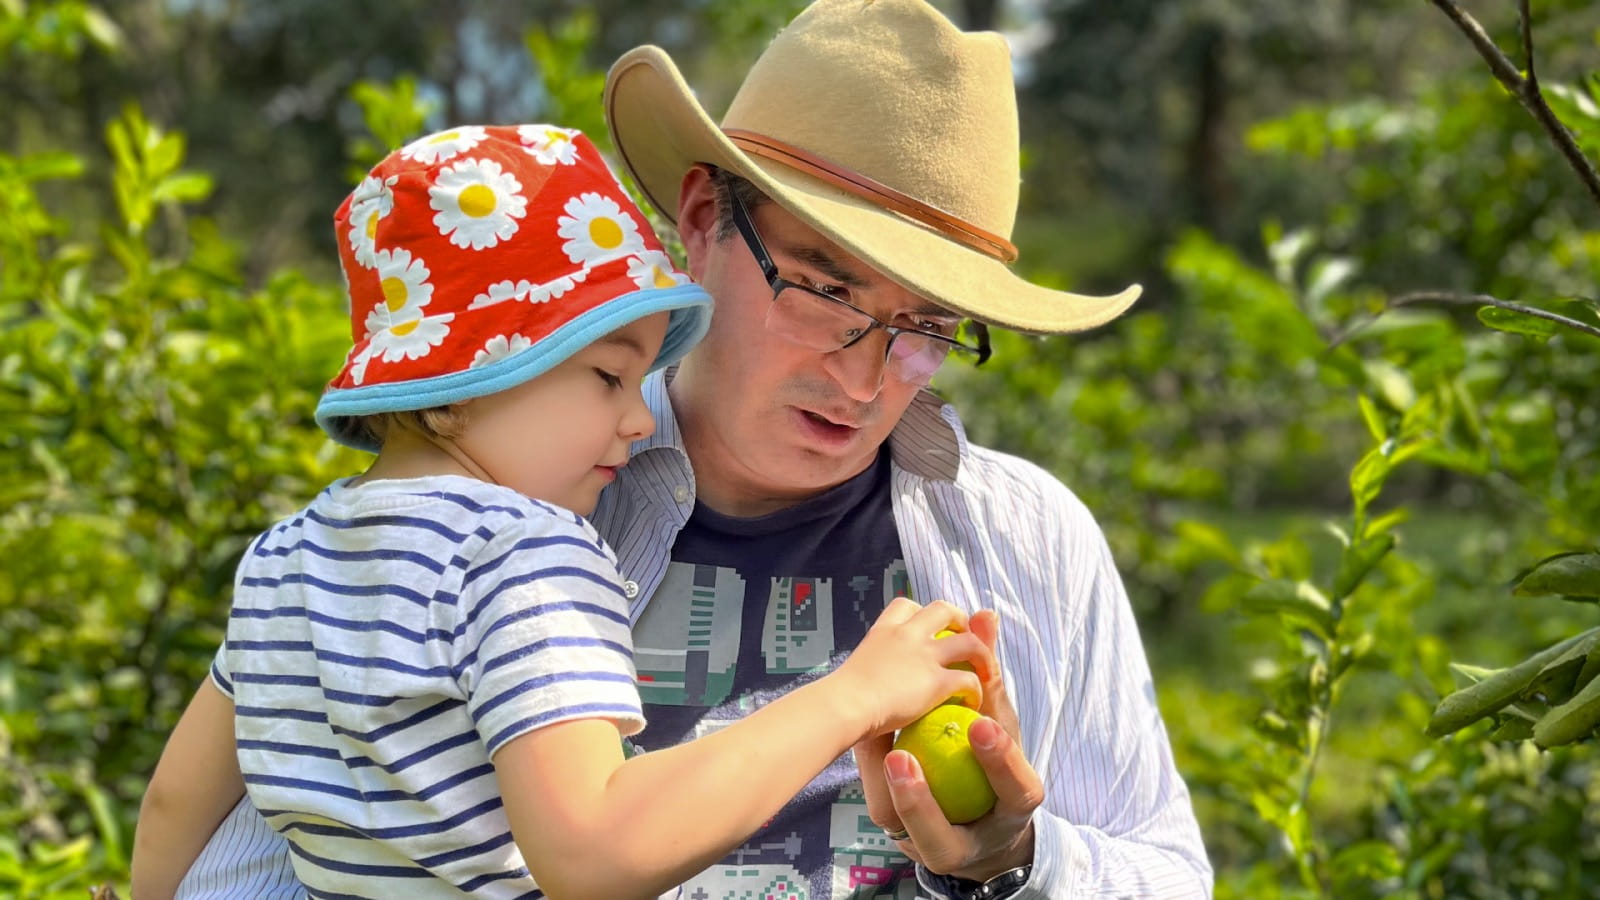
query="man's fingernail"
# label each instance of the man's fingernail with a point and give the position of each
(984, 734)
(898, 765)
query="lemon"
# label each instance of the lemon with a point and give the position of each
(939, 742)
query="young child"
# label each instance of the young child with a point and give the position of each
(428, 671)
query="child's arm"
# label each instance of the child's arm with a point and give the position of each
(590, 824)
(194, 786)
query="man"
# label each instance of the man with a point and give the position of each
(850, 214)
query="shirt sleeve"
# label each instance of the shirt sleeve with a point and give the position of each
(1118, 818)
(221, 674)
(543, 635)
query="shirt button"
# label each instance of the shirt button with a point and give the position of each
(630, 589)
(681, 493)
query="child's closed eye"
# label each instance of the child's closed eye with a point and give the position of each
(611, 380)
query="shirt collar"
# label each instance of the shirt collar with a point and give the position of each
(928, 441)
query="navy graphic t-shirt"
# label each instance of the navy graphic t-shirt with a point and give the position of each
(750, 609)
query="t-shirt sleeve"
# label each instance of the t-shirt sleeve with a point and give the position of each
(221, 675)
(221, 669)
(544, 634)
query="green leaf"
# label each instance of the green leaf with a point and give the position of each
(1467, 674)
(1512, 728)
(1392, 383)
(1373, 418)
(1209, 539)
(186, 187)
(42, 166)
(1366, 861)
(106, 823)
(101, 29)
(1286, 252)
(1571, 721)
(1575, 575)
(1388, 520)
(1298, 600)
(1366, 480)
(1490, 695)
(1357, 561)
(1510, 320)
(1327, 276)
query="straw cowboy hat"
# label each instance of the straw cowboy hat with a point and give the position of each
(884, 127)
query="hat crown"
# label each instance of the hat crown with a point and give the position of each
(891, 89)
(479, 257)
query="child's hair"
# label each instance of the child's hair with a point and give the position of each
(435, 421)
(477, 259)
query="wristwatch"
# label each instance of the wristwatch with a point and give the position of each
(949, 887)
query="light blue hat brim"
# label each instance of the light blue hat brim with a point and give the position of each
(689, 305)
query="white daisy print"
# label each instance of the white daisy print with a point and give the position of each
(527, 291)
(444, 145)
(413, 338)
(358, 365)
(406, 289)
(549, 144)
(499, 347)
(476, 203)
(653, 269)
(597, 230)
(373, 199)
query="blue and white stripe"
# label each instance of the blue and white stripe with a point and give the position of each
(382, 645)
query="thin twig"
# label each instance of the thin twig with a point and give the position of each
(1525, 24)
(1451, 299)
(1526, 90)
(1486, 300)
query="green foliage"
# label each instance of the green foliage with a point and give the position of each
(394, 114)
(572, 86)
(158, 415)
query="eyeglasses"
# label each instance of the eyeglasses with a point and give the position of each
(813, 319)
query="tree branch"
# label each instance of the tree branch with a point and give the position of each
(1453, 299)
(1486, 300)
(1526, 90)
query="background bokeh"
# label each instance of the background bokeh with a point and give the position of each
(1319, 488)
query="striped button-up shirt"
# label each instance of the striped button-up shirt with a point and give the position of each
(983, 530)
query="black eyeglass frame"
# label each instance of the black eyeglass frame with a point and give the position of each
(758, 249)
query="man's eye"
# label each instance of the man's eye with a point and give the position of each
(610, 379)
(935, 326)
(837, 291)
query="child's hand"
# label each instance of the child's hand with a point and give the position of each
(900, 671)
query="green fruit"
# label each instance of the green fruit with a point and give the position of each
(939, 742)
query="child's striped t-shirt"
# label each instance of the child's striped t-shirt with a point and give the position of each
(383, 643)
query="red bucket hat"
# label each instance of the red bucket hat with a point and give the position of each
(479, 258)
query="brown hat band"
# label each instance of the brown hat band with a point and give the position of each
(956, 229)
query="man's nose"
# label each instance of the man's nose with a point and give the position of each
(859, 368)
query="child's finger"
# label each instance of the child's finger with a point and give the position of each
(968, 648)
(899, 610)
(941, 616)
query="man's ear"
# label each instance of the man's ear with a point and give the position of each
(697, 217)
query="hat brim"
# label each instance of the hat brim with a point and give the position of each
(689, 310)
(661, 131)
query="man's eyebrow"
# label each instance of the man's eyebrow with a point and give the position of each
(933, 312)
(828, 264)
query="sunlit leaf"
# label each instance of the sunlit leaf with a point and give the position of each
(1514, 322)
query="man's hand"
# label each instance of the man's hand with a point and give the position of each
(898, 796)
